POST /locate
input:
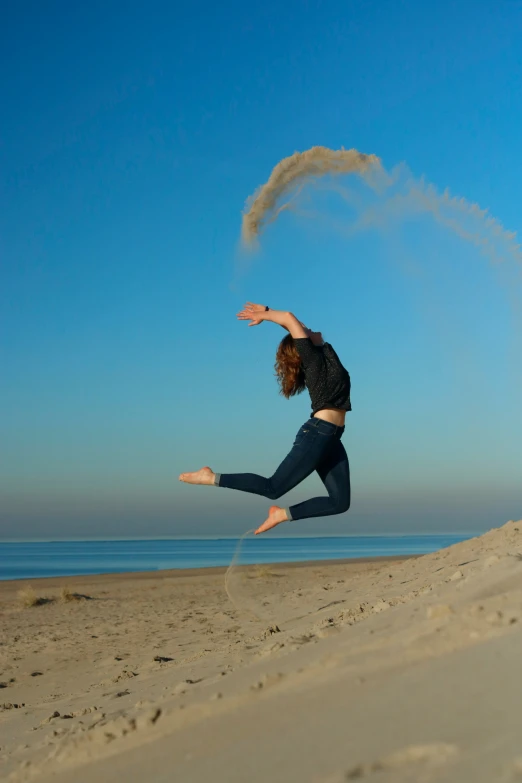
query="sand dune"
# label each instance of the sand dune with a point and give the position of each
(382, 672)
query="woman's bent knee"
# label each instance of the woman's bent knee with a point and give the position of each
(272, 492)
(342, 506)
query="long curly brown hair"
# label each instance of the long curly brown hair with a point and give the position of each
(288, 368)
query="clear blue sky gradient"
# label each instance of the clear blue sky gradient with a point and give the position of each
(130, 136)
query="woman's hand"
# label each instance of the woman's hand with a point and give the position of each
(253, 313)
(256, 313)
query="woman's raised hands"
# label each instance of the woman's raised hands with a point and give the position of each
(253, 313)
(256, 313)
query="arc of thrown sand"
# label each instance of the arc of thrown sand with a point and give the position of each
(262, 208)
(316, 161)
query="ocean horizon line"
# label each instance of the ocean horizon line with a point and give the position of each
(75, 540)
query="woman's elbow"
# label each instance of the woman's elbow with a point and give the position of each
(288, 319)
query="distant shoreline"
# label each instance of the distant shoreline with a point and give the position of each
(24, 561)
(172, 573)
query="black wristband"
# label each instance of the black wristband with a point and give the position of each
(266, 308)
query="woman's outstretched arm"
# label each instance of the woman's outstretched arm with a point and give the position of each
(256, 314)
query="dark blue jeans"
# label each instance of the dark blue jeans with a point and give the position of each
(317, 447)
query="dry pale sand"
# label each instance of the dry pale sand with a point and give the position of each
(387, 671)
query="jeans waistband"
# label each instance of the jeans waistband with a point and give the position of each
(315, 422)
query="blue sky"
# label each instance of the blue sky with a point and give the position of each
(131, 135)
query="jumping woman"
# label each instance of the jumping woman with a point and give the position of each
(303, 360)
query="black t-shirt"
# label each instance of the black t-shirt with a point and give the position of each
(326, 379)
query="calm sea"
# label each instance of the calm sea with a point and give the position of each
(29, 560)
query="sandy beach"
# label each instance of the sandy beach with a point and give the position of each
(386, 670)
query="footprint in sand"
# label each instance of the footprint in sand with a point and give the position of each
(328, 630)
(126, 674)
(267, 681)
(431, 754)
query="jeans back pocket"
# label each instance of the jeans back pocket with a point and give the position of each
(301, 435)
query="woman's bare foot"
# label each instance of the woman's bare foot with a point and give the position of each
(276, 515)
(203, 476)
